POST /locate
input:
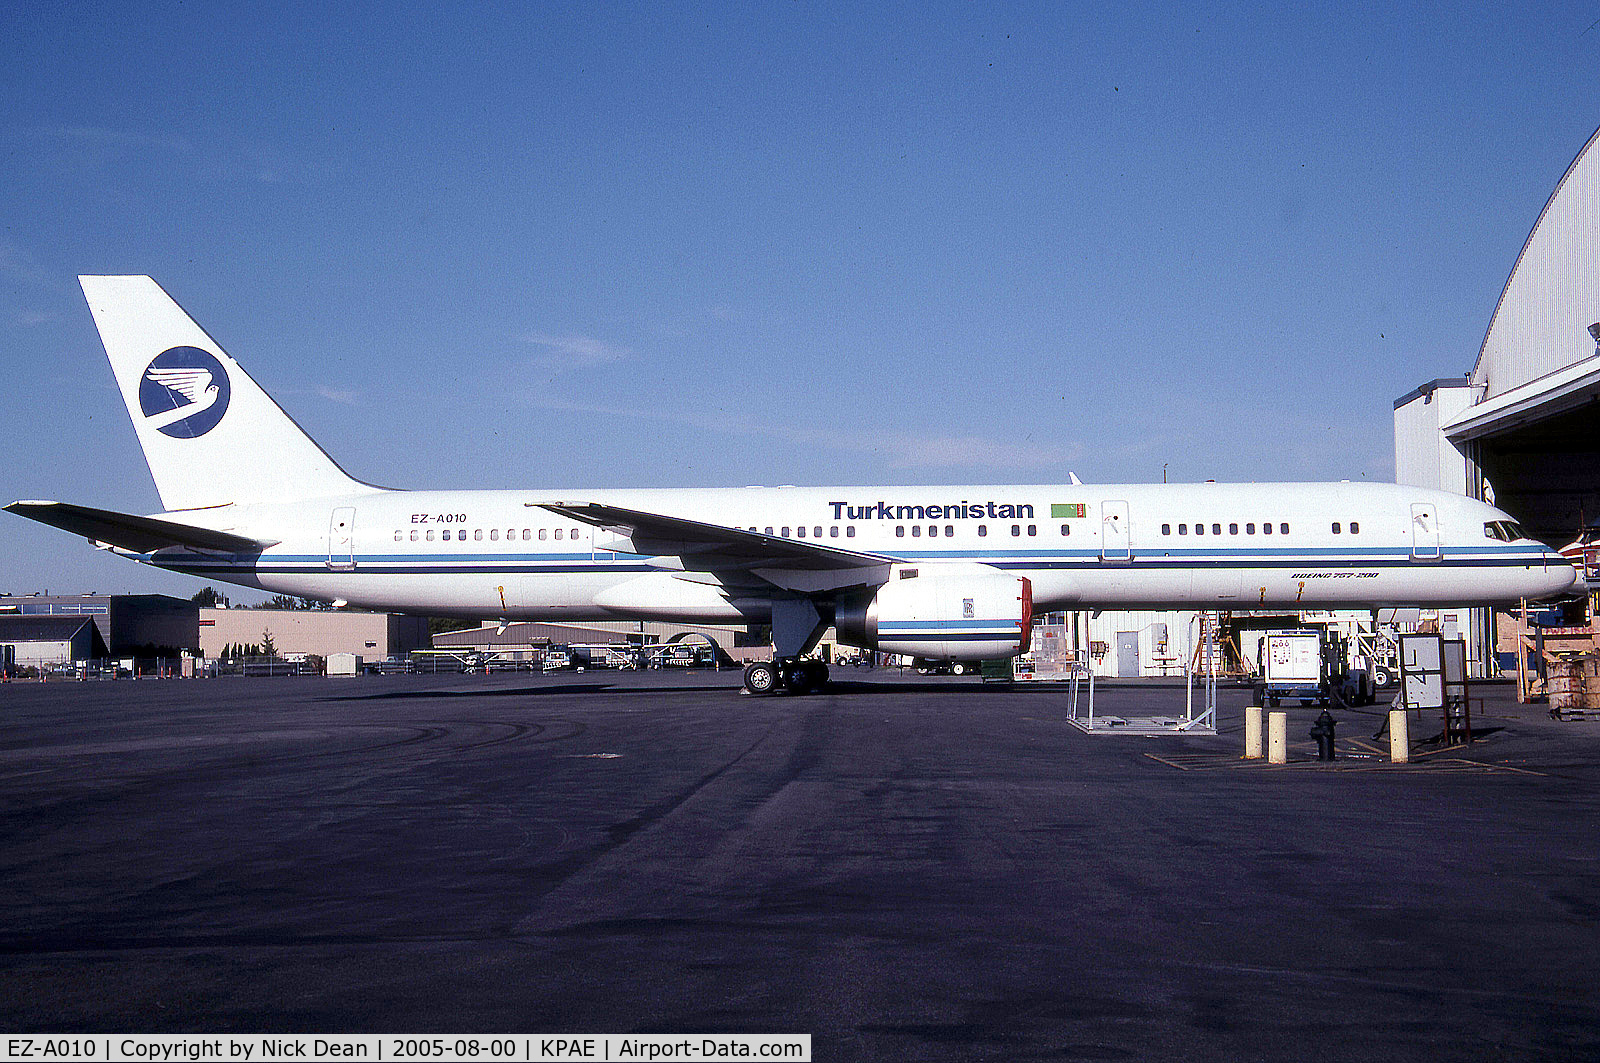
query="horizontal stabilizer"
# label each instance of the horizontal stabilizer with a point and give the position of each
(142, 535)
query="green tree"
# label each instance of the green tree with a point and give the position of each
(208, 597)
(268, 647)
(437, 625)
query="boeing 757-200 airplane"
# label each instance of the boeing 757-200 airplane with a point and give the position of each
(951, 573)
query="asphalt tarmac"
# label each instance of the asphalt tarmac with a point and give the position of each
(905, 868)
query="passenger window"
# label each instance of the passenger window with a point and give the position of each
(1183, 529)
(949, 530)
(573, 535)
(527, 533)
(1166, 529)
(1266, 529)
(983, 530)
(430, 535)
(801, 531)
(494, 534)
(1336, 527)
(1216, 529)
(413, 535)
(1033, 529)
(1199, 529)
(1233, 529)
(399, 535)
(833, 532)
(1283, 529)
(558, 533)
(784, 533)
(542, 534)
(1016, 529)
(769, 531)
(916, 531)
(899, 531)
(1066, 529)
(816, 532)
(1249, 529)
(1355, 529)
(850, 532)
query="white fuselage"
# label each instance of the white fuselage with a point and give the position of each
(488, 554)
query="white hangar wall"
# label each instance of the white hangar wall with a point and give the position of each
(1541, 323)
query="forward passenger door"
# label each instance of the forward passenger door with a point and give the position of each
(1424, 532)
(1115, 542)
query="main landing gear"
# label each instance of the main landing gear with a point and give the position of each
(796, 675)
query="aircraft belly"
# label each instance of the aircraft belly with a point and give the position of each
(665, 596)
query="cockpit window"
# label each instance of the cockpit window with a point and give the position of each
(1507, 531)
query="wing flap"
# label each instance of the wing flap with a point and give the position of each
(142, 535)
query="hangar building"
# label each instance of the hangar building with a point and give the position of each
(1522, 429)
(129, 625)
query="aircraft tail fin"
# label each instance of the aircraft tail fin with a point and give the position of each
(210, 434)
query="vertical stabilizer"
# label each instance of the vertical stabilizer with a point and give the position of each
(210, 435)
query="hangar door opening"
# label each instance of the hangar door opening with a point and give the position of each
(1546, 472)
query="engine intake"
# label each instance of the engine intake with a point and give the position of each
(970, 614)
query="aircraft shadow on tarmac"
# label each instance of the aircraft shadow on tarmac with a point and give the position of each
(834, 688)
(519, 692)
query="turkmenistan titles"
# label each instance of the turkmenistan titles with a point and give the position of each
(962, 510)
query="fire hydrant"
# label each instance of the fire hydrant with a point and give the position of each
(1322, 731)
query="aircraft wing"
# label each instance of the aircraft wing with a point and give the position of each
(142, 535)
(793, 564)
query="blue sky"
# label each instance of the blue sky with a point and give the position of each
(602, 245)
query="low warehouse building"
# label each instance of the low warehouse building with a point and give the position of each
(43, 640)
(313, 631)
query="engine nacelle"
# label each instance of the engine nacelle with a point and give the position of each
(955, 612)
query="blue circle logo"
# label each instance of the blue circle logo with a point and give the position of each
(184, 392)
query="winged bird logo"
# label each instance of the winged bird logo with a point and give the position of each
(184, 392)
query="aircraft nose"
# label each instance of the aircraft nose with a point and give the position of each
(1563, 575)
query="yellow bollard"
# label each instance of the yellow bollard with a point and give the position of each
(1277, 738)
(1399, 737)
(1252, 732)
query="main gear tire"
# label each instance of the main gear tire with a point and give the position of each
(762, 678)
